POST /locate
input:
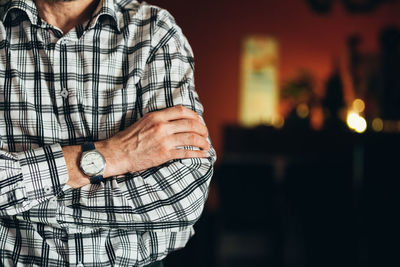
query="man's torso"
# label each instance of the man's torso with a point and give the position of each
(67, 90)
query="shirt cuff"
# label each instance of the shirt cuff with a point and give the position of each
(44, 173)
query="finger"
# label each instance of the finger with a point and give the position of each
(189, 139)
(185, 153)
(176, 113)
(187, 126)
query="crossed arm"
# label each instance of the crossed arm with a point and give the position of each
(159, 186)
(155, 139)
(167, 185)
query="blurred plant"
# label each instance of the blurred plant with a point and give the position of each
(300, 89)
(298, 100)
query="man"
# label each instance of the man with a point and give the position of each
(105, 159)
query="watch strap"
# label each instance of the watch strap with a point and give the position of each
(96, 179)
(87, 146)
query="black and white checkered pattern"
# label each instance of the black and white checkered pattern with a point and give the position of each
(56, 90)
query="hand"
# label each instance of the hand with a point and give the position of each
(154, 140)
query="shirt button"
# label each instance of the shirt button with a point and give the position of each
(47, 189)
(64, 93)
(80, 265)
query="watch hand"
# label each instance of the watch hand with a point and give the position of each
(94, 164)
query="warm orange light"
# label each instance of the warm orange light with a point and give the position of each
(279, 123)
(302, 111)
(356, 122)
(358, 105)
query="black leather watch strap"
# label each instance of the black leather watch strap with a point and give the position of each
(96, 179)
(88, 146)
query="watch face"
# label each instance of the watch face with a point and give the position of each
(93, 163)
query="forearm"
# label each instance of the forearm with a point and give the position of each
(72, 155)
(165, 198)
(30, 177)
(152, 188)
(76, 178)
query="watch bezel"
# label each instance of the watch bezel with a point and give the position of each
(88, 173)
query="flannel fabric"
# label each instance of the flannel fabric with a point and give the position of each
(59, 89)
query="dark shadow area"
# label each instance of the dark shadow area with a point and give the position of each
(315, 199)
(317, 190)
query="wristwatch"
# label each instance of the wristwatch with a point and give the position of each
(92, 163)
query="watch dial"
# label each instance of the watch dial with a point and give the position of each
(92, 163)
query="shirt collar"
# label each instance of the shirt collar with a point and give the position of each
(27, 6)
(105, 7)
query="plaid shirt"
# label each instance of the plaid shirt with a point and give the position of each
(88, 84)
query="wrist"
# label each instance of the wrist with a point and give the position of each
(76, 178)
(106, 149)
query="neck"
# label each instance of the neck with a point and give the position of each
(66, 15)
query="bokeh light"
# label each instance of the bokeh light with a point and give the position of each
(377, 125)
(302, 111)
(358, 105)
(356, 122)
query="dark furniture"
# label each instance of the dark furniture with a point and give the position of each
(305, 198)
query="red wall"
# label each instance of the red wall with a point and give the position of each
(215, 30)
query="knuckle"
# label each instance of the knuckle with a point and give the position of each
(181, 109)
(159, 128)
(192, 139)
(204, 130)
(191, 124)
(150, 116)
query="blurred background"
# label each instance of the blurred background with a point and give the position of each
(302, 100)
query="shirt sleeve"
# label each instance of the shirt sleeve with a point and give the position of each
(31, 177)
(170, 197)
